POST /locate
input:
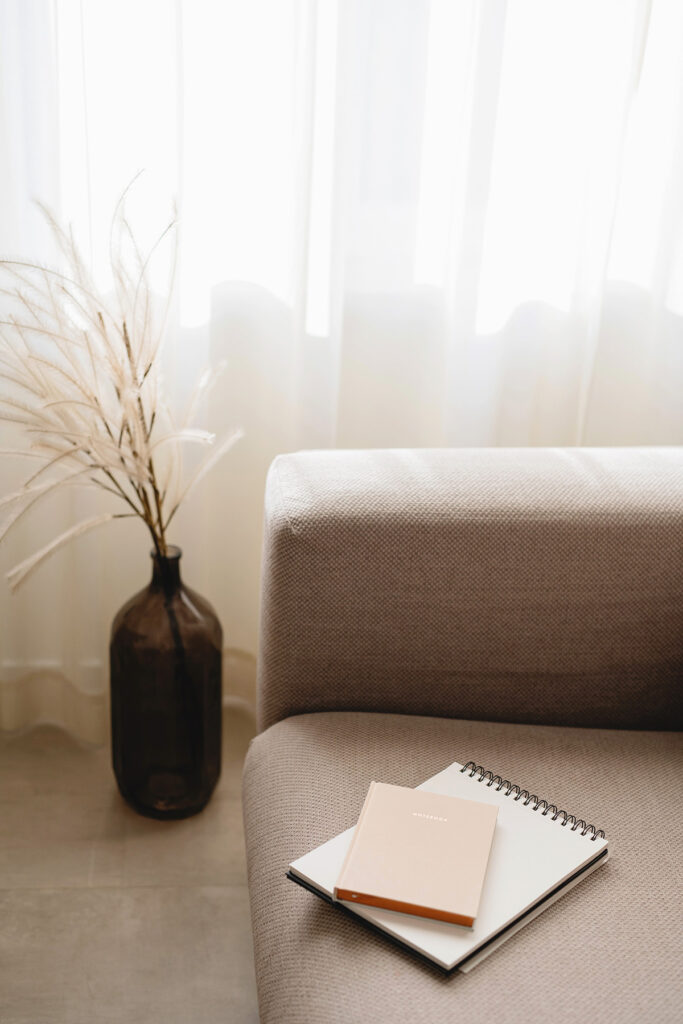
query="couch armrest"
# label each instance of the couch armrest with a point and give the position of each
(535, 585)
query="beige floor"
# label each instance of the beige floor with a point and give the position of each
(106, 916)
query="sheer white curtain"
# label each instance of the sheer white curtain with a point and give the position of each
(404, 222)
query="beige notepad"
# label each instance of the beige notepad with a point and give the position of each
(419, 853)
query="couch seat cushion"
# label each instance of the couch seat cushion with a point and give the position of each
(610, 950)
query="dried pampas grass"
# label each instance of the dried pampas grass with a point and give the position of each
(82, 380)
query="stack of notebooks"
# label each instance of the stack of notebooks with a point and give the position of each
(452, 869)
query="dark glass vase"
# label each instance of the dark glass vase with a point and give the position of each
(166, 668)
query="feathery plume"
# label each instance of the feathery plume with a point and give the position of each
(81, 375)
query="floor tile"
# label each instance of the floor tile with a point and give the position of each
(106, 916)
(119, 956)
(58, 796)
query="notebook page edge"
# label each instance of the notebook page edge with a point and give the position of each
(476, 958)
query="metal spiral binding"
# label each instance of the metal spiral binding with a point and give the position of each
(530, 798)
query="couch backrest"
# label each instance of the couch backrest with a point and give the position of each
(522, 585)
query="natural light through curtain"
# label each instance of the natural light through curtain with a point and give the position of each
(403, 222)
(514, 152)
(232, 107)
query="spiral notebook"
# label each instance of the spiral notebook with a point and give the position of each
(539, 853)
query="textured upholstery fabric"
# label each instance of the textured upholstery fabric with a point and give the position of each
(537, 585)
(610, 950)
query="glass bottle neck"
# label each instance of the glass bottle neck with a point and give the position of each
(166, 571)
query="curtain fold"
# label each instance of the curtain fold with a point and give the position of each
(403, 223)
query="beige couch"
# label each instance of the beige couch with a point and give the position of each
(520, 608)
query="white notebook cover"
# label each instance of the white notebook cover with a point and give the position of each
(534, 860)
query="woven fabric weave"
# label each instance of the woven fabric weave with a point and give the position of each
(610, 950)
(527, 585)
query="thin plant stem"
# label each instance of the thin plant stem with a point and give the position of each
(81, 376)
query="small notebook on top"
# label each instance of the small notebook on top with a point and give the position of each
(418, 853)
(538, 853)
